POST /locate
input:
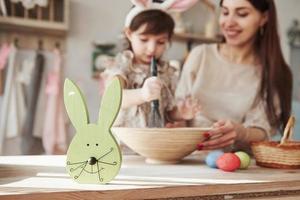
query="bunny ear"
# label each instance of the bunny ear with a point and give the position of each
(110, 104)
(75, 105)
(142, 3)
(179, 5)
(167, 4)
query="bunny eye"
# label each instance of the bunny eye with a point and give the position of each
(87, 144)
(97, 144)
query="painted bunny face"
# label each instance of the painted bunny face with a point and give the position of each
(93, 155)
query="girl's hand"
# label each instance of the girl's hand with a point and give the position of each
(176, 124)
(223, 134)
(151, 89)
(188, 108)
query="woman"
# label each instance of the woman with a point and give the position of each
(244, 85)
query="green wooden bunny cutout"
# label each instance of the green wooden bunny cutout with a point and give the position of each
(93, 155)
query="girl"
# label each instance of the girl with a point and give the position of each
(244, 85)
(148, 28)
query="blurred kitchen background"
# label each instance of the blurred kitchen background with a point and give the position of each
(43, 41)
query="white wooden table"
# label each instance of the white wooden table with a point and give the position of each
(44, 177)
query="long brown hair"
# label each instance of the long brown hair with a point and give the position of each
(157, 22)
(276, 74)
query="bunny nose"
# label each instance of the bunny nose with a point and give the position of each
(92, 160)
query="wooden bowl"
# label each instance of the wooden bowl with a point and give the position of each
(161, 145)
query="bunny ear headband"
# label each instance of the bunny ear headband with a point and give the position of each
(167, 5)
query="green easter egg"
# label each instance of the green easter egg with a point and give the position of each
(244, 158)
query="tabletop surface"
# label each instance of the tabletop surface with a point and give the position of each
(41, 176)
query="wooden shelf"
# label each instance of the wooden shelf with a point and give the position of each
(20, 24)
(196, 38)
(52, 20)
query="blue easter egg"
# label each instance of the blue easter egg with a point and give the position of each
(212, 158)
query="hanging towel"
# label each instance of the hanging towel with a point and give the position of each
(30, 144)
(42, 99)
(4, 53)
(19, 72)
(24, 75)
(7, 95)
(3, 7)
(23, 67)
(54, 135)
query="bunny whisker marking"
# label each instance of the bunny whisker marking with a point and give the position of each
(111, 149)
(69, 163)
(77, 176)
(93, 172)
(99, 176)
(114, 163)
(80, 166)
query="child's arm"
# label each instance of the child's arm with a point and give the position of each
(150, 91)
(132, 97)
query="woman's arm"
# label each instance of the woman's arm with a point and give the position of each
(226, 133)
(189, 71)
(255, 127)
(184, 110)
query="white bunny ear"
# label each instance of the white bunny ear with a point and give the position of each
(179, 5)
(167, 4)
(142, 3)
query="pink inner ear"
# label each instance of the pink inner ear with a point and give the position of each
(143, 3)
(182, 5)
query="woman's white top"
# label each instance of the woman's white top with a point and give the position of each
(226, 90)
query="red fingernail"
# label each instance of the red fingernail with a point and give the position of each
(200, 146)
(206, 134)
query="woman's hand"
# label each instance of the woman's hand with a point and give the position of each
(223, 134)
(151, 89)
(188, 108)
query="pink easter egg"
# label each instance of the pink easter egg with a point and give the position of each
(228, 162)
